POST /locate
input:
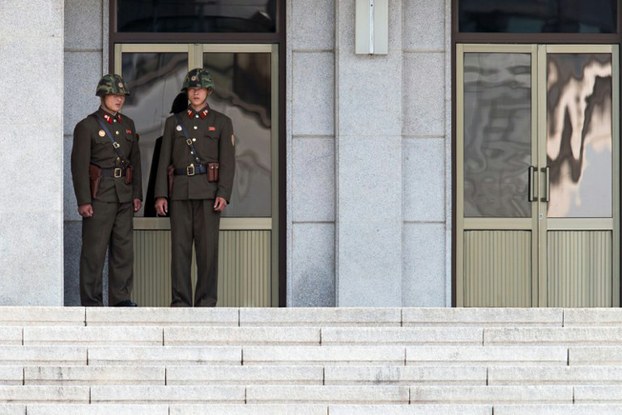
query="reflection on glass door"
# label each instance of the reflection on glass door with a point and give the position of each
(579, 141)
(497, 134)
(579, 238)
(537, 186)
(244, 94)
(246, 80)
(154, 79)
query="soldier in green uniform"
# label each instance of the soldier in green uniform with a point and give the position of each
(194, 180)
(105, 166)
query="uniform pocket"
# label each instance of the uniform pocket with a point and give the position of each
(212, 135)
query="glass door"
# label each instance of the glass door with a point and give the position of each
(246, 80)
(496, 152)
(537, 198)
(579, 199)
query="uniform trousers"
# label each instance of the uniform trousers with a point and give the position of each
(194, 220)
(109, 229)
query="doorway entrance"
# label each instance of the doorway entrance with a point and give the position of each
(537, 167)
(246, 79)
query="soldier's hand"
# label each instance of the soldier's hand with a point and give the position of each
(161, 206)
(137, 204)
(220, 204)
(86, 211)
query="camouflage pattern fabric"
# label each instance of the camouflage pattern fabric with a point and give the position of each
(112, 84)
(198, 78)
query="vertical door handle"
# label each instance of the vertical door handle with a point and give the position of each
(547, 185)
(531, 197)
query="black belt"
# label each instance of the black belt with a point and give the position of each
(113, 172)
(191, 170)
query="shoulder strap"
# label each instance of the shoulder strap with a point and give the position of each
(189, 142)
(117, 147)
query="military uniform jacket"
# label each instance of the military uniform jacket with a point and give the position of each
(212, 136)
(91, 145)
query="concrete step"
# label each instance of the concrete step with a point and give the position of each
(93, 375)
(35, 316)
(175, 409)
(597, 409)
(492, 395)
(472, 409)
(486, 355)
(563, 375)
(311, 375)
(245, 317)
(483, 317)
(592, 317)
(11, 375)
(405, 375)
(566, 336)
(11, 336)
(189, 336)
(310, 361)
(162, 375)
(324, 355)
(402, 336)
(244, 375)
(286, 409)
(79, 336)
(12, 409)
(165, 355)
(162, 317)
(417, 409)
(152, 394)
(591, 394)
(327, 394)
(42, 355)
(299, 409)
(96, 409)
(314, 317)
(321, 317)
(606, 355)
(28, 394)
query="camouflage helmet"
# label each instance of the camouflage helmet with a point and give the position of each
(112, 84)
(198, 78)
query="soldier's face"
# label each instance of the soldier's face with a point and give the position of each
(197, 97)
(113, 103)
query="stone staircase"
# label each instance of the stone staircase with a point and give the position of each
(328, 361)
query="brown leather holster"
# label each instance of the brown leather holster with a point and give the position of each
(212, 172)
(129, 174)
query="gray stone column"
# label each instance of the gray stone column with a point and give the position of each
(368, 165)
(31, 156)
(311, 153)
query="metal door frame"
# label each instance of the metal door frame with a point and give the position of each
(538, 228)
(195, 59)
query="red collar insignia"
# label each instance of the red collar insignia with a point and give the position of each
(110, 118)
(202, 113)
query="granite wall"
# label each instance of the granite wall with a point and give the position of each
(31, 155)
(369, 141)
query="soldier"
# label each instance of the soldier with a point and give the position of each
(194, 181)
(105, 166)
